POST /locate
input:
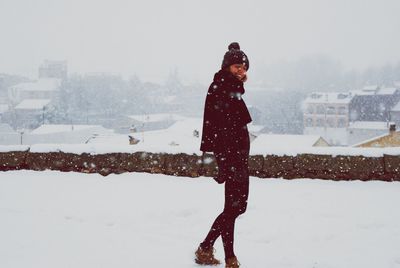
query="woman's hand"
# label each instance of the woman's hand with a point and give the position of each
(242, 77)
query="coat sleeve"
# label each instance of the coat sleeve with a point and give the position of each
(213, 119)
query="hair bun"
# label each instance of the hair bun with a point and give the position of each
(234, 45)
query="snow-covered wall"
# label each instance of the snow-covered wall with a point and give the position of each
(323, 163)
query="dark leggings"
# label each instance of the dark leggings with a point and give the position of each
(233, 165)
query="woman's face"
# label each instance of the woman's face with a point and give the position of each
(238, 70)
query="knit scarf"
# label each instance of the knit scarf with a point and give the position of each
(229, 82)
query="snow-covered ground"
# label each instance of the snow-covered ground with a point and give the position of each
(54, 219)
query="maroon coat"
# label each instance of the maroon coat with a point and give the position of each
(225, 114)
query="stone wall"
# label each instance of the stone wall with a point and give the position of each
(386, 168)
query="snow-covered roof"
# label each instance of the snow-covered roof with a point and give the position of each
(177, 137)
(282, 141)
(369, 125)
(43, 84)
(370, 88)
(387, 91)
(187, 124)
(374, 90)
(156, 117)
(50, 128)
(120, 139)
(32, 104)
(360, 92)
(329, 97)
(370, 139)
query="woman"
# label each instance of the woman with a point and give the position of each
(225, 134)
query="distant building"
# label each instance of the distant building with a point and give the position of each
(3, 109)
(30, 112)
(373, 103)
(364, 130)
(332, 114)
(46, 88)
(3, 94)
(29, 100)
(53, 69)
(395, 114)
(327, 115)
(389, 139)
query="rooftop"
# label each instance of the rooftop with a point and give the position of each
(369, 125)
(373, 90)
(329, 97)
(177, 137)
(55, 128)
(43, 84)
(345, 97)
(120, 139)
(32, 104)
(156, 117)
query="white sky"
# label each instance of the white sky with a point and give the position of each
(151, 38)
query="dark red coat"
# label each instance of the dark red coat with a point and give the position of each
(225, 113)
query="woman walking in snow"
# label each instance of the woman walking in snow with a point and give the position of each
(225, 134)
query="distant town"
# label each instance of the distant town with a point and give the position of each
(103, 108)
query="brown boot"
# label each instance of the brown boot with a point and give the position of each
(206, 257)
(232, 263)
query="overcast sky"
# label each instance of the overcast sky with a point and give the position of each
(150, 38)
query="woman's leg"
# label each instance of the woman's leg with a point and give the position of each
(236, 191)
(214, 232)
(220, 221)
(236, 194)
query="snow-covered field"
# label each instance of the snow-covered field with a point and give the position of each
(54, 219)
